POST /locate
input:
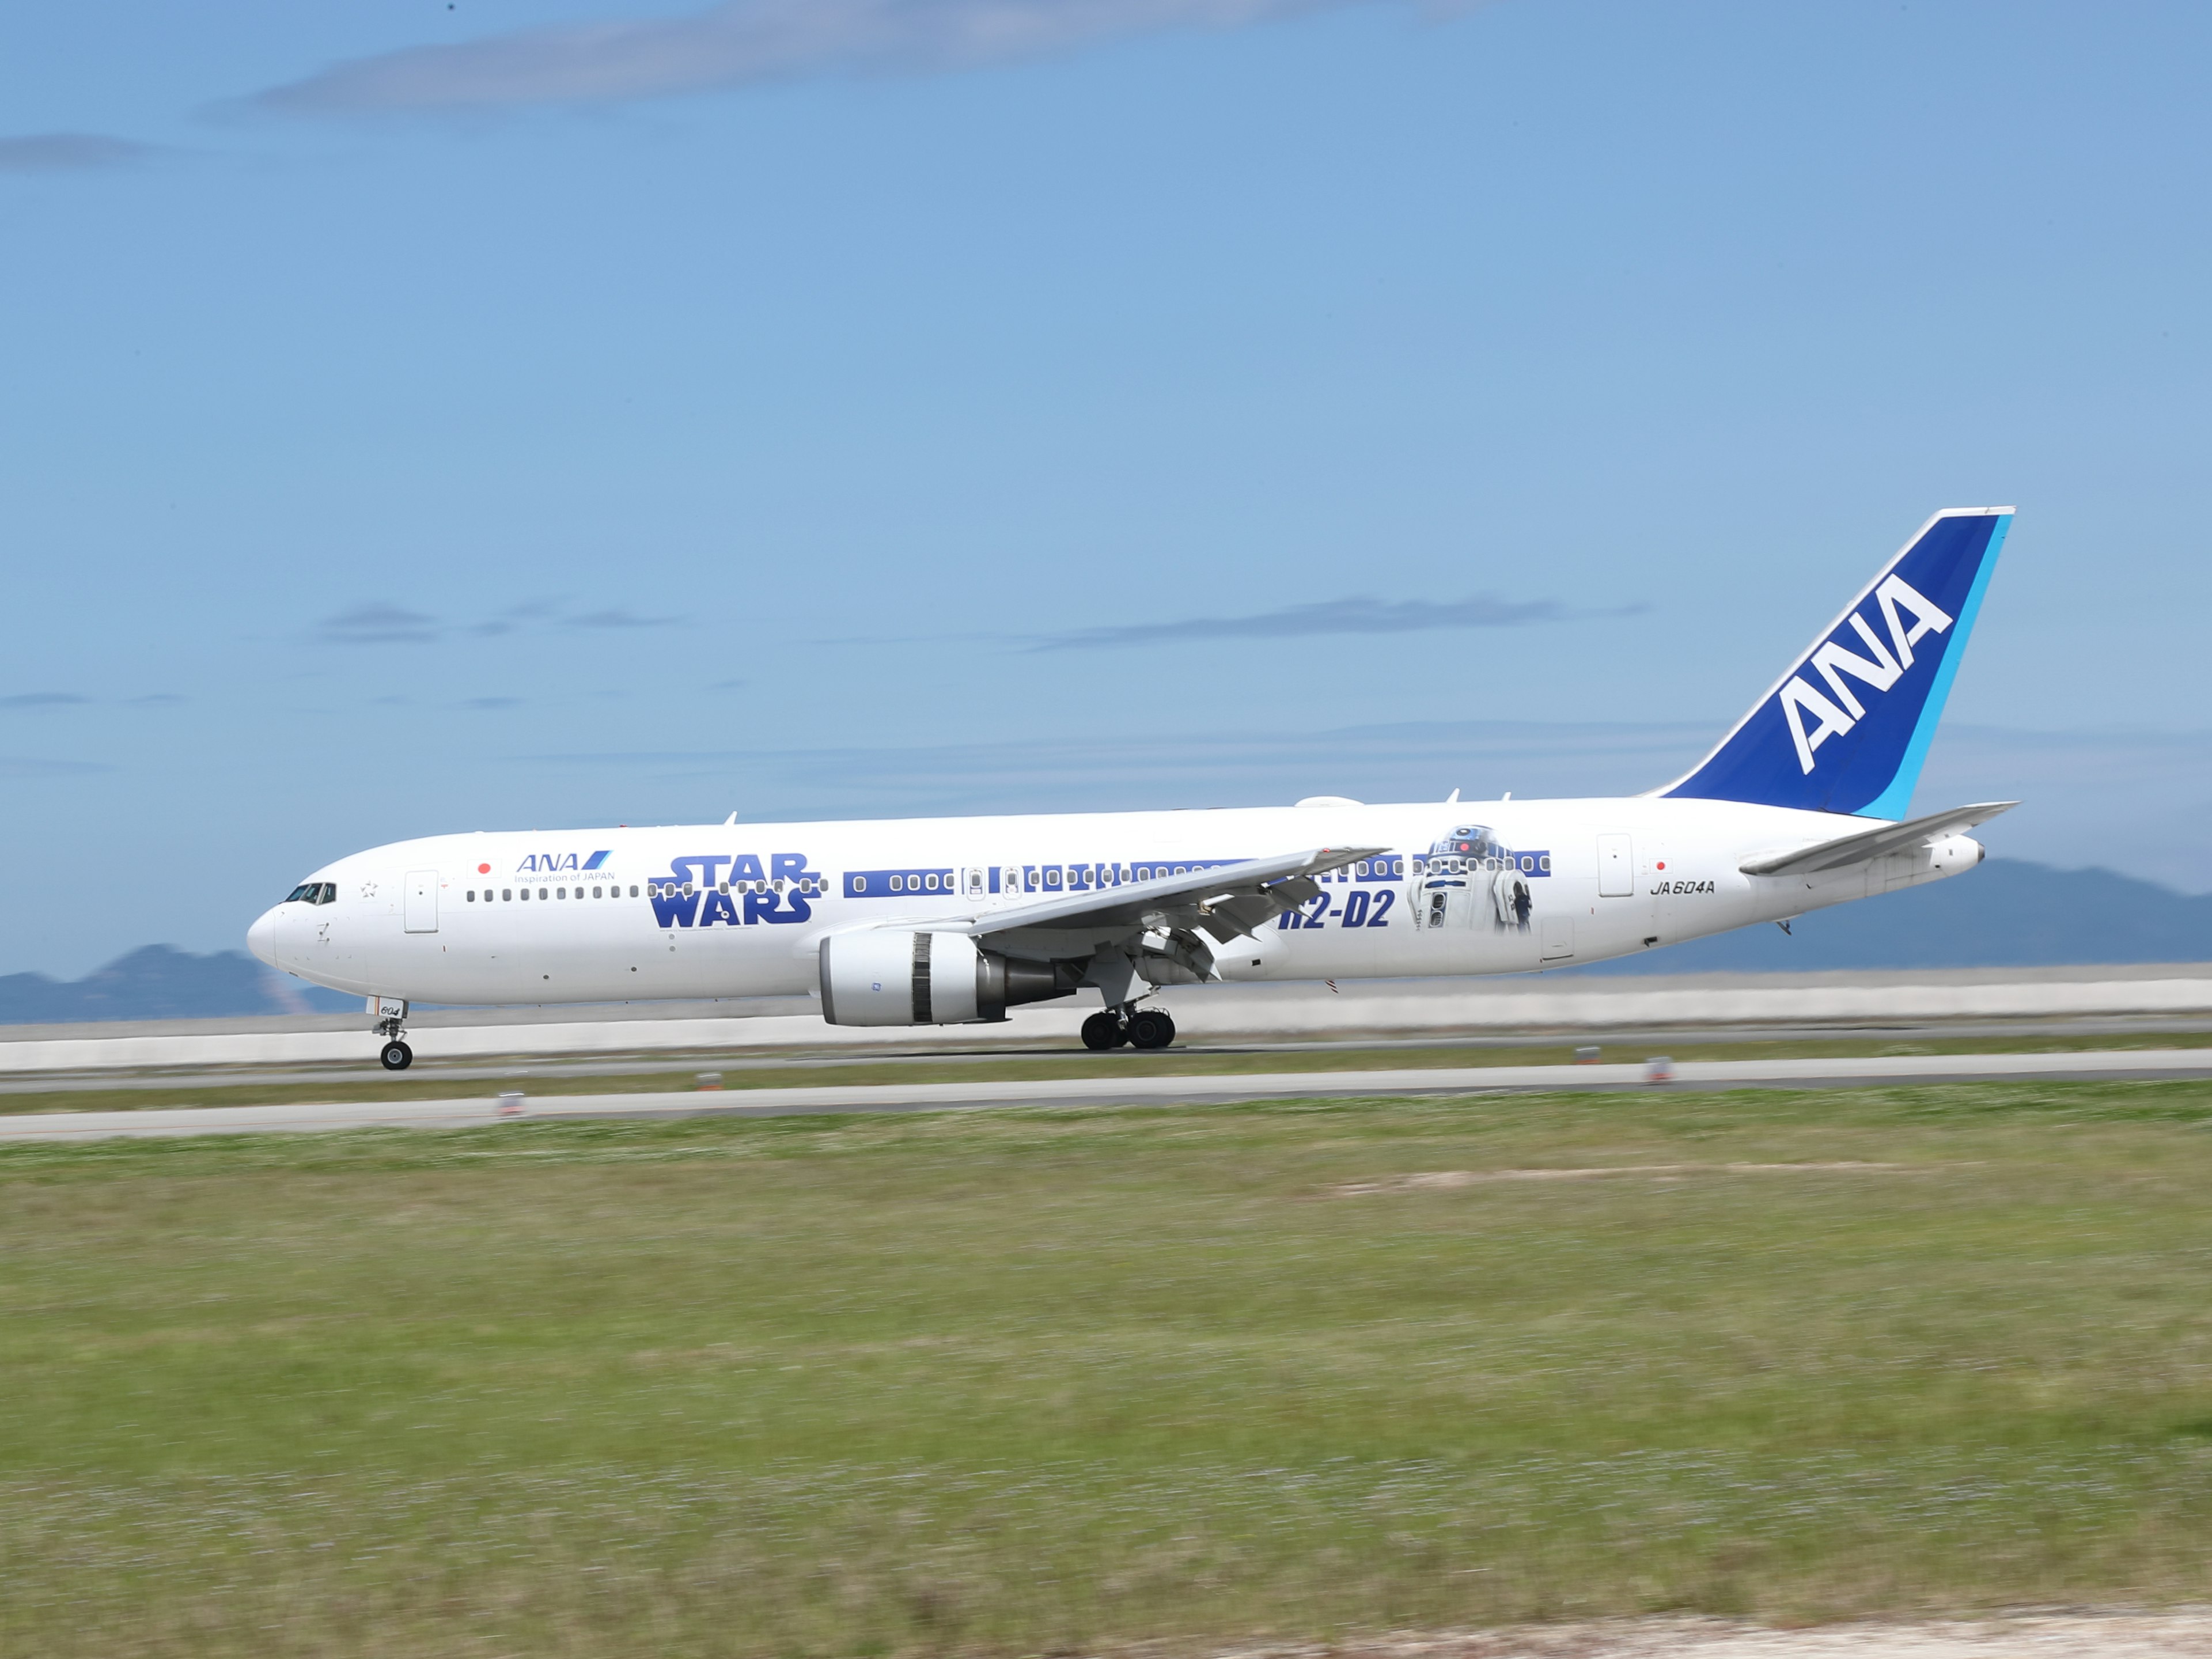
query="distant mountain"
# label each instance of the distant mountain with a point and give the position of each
(2006, 914)
(159, 982)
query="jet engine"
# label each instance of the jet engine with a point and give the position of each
(894, 978)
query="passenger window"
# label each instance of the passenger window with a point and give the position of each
(506, 893)
(596, 893)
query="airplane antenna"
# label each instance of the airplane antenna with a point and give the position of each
(1452, 799)
(732, 819)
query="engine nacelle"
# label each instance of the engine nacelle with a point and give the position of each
(894, 978)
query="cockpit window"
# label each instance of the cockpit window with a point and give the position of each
(314, 892)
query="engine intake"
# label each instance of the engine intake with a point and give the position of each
(893, 978)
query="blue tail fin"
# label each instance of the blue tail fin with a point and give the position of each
(1845, 729)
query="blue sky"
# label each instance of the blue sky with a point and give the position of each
(423, 418)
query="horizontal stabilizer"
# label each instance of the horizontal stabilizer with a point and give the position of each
(1873, 843)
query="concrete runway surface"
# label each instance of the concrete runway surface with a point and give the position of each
(478, 1110)
(1516, 1006)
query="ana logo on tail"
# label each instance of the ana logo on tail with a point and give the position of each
(1880, 671)
(1847, 725)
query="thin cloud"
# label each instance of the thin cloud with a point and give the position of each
(1354, 616)
(743, 43)
(492, 703)
(78, 700)
(44, 700)
(378, 623)
(514, 617)
(70, 152)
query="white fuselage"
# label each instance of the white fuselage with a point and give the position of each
(731, 910)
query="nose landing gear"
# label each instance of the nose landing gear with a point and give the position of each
(391, 1026)
(1141, 1028)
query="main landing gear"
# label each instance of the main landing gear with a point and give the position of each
(1141, 1028)
(391, 1026)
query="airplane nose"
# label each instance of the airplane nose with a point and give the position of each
(261, 938)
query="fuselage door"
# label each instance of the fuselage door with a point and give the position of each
(1616, 866)
(422, 900)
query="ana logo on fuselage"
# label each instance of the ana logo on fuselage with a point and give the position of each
(1881, 670)
(545, 864)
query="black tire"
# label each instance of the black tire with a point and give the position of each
(396, 1056)
(1150, 1028)
(1102, 1031)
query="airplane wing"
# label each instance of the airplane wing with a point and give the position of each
(1226, 902)
(1872, 843)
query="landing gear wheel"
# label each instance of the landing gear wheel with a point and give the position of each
(1104, 1031)
(396, 1056)
(1149, 1028)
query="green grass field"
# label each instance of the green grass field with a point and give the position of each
(1060, 1382)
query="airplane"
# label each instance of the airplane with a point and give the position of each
(952, 922)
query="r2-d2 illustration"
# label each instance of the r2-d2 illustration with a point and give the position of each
(1470, 878)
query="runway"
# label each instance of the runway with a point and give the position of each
(1509, 1009)
(476, 1110)
(517, 1072)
